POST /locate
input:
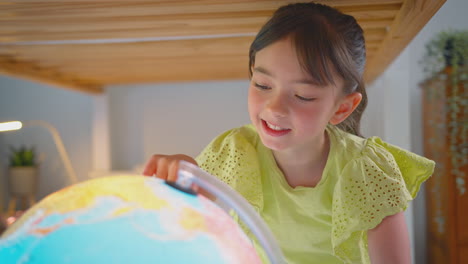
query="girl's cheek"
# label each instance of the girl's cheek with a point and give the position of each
(255, 97)
(252, 99)
(253, 93)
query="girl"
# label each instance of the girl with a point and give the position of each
(327, 194)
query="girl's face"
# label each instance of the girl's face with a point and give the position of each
(289, 111)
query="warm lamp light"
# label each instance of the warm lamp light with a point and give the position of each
(16, 125)
(8, 126)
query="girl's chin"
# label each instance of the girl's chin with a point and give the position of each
(272, 144)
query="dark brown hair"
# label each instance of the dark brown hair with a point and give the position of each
(326, 41)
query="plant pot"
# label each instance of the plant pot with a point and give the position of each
(23, 180)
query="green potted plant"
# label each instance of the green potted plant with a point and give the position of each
(23, 171)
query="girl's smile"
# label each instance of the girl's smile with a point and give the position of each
(274, 130)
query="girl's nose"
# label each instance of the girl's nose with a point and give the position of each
(277, 105)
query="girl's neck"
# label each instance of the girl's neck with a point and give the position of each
(304, 166)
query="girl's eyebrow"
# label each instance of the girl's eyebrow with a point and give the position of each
(264, 71)
(299, 81)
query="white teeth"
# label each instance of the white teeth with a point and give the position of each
(277, 128)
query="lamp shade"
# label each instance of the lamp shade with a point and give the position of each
(11, 125)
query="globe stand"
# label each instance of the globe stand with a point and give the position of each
(190, 175)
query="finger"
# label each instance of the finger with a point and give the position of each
(173, 170)
(162, 164)
(151, 166)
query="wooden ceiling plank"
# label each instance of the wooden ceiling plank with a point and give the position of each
(370, 33)
(181, 48)
(163, 29)
(373, 45)
(90, 10)
(130, 8)
(202, 2)
(125, 3)
(370, 6)
(412, 17)
(384, 14)
(233, 68)
(194, 60)
(58, 30)
(339, 3)
(33, 72)
(128, 18)
(129, 22)
(159, 31)
(375, 23)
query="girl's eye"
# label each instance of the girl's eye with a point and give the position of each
(262, 87)
(305, 98)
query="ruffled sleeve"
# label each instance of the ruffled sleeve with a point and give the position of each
(379, 183)
(232, 157)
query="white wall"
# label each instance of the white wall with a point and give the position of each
(70, 112)
(171, 118)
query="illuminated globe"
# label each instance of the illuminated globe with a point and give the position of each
(125, 219)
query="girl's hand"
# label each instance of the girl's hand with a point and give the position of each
(166, 166)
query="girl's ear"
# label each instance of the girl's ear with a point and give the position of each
(346, 107)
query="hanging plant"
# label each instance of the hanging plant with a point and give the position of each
(446, 58)
(447, 49)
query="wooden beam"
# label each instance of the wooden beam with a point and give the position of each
(413, 15)
(73, 20)
(31, 71)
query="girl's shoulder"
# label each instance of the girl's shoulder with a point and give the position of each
(233, 148)
(376, 179)
(402, 162)
(355, 153)
(232, 157)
